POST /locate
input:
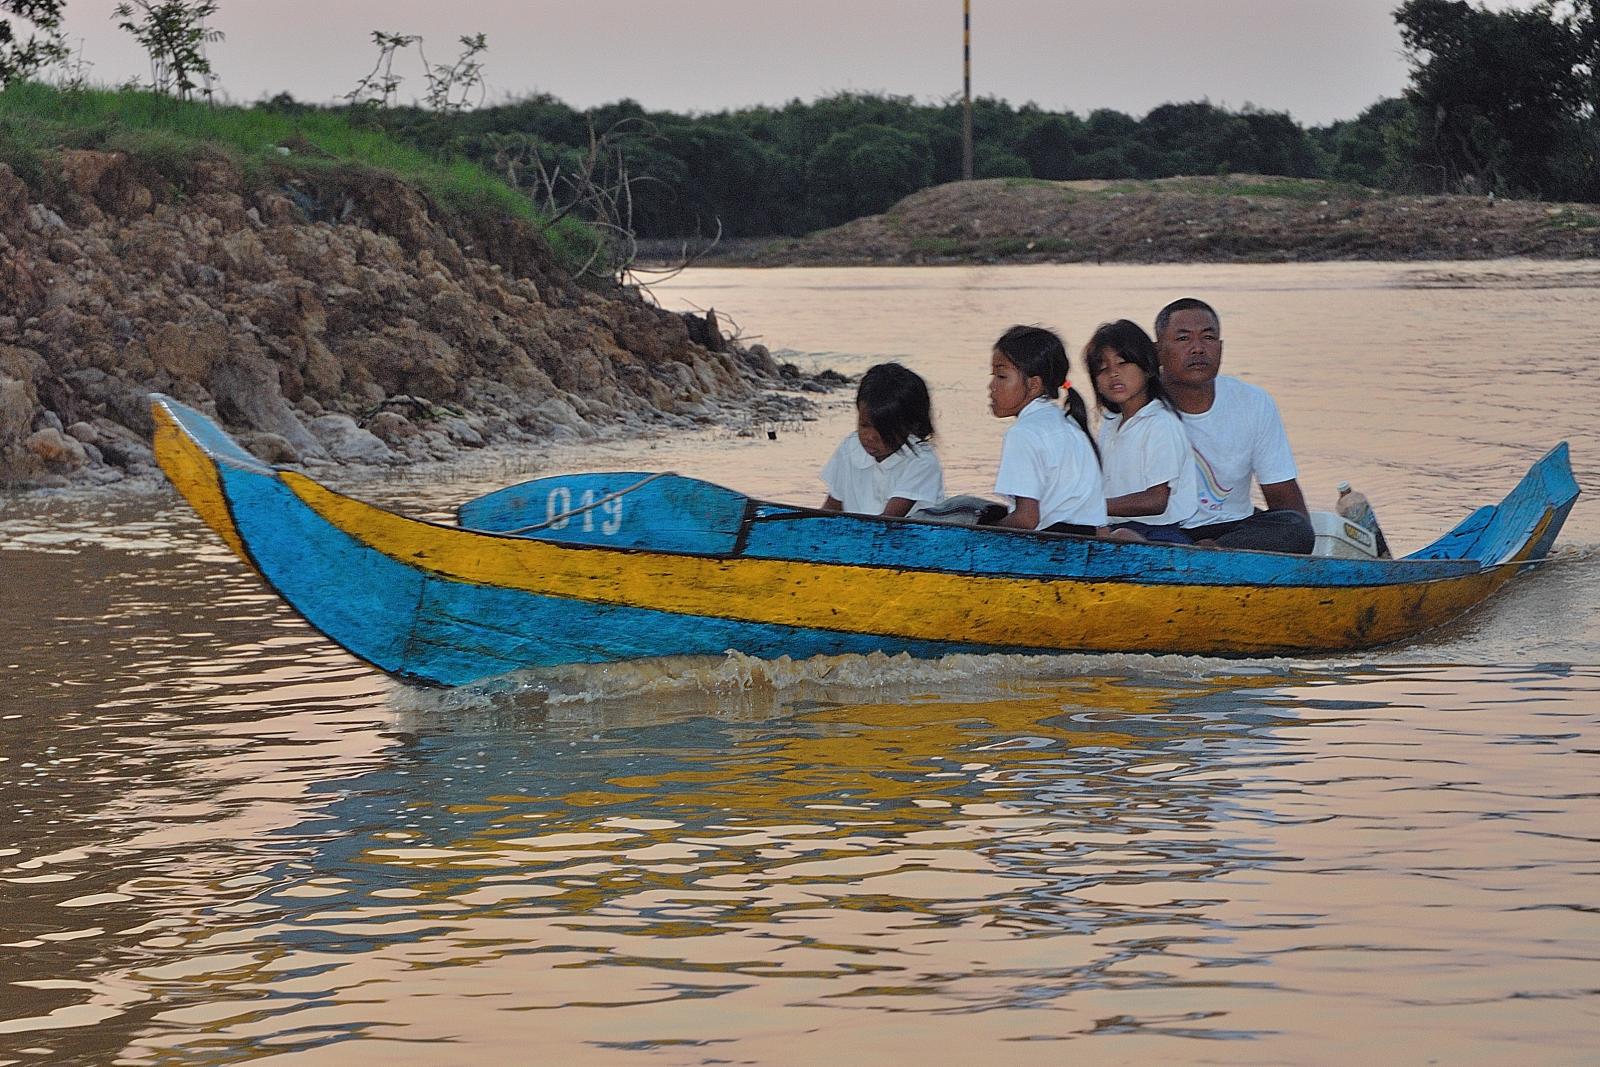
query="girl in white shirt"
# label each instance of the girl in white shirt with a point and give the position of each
(1150, 473)
(887, 467)
(1048, 464)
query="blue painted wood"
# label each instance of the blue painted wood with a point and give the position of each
(668, 513)
(425, 628)
(780, 534)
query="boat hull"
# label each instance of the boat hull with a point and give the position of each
(447, 605)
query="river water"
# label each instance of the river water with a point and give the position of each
(225, 841)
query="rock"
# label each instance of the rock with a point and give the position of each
(188, 350)
(84, 432)
(127, 452)
(202, 275)
(14, 211)
(85, 170)
(760, 357)
(346, 441)
(391, 427)
(560, 413)
(246, 390)
(462, 433)
(16, 410)
(270, 448)
(41, 218)
(55, 449)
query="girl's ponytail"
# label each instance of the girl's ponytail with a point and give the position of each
(1078, 412)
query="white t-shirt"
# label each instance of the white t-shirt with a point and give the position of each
(1049, 458)
(1241, 435)
(1147, 450)
(864, 486)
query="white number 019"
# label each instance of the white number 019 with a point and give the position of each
(559, 503)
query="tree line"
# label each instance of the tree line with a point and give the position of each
(1499, 101)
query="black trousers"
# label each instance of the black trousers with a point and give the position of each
(1269, 531)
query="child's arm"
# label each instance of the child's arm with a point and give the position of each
(832, 504)
(1025, 516)
(897, 507)
(1151, 501)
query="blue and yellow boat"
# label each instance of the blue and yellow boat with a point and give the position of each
(592, 568)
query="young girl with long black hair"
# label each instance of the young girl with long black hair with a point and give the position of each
(887, 467)
(1048, 464)
(1150, 476)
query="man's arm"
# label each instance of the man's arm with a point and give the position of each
(1285, 496)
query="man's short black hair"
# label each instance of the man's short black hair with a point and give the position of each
(1187, 303)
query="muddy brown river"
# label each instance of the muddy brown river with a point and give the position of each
(225, 841)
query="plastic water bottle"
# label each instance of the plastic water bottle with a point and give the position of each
(1353, 507)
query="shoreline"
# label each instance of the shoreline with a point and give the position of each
(1236, 218)
(524, 457)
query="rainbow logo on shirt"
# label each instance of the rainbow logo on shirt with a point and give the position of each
(1211, 490)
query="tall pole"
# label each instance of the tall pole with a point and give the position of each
(966, 90)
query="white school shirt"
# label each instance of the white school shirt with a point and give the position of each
(1047, 457)
(1239, 437)
(1147, 450)
(863, 485)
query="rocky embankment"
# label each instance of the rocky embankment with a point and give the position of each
(1232, 218)
(332, 318)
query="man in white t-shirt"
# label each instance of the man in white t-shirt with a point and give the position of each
(1237, 435)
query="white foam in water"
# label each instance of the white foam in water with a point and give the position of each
(867, 675)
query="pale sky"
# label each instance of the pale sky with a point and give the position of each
(1320, 60)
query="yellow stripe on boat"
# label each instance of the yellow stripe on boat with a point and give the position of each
(1018, 612)
(194, 473)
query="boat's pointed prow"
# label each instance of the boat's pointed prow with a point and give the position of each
(189, 447)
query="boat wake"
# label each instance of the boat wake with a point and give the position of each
(874, 677)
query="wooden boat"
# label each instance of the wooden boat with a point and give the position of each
(590, 568)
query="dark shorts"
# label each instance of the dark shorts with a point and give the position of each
(1268, 531)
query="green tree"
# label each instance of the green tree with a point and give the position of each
(174, 35)
(864, 170)
(1498, 97)
(21, 58)
(1374, 148)
(1053, 147)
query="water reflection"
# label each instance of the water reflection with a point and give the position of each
(1146, 860)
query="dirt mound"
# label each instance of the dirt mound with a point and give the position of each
(1233, 218)
(335, 318)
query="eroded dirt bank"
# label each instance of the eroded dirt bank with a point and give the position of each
(336, 318)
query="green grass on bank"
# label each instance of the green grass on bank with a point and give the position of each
(164, 134)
